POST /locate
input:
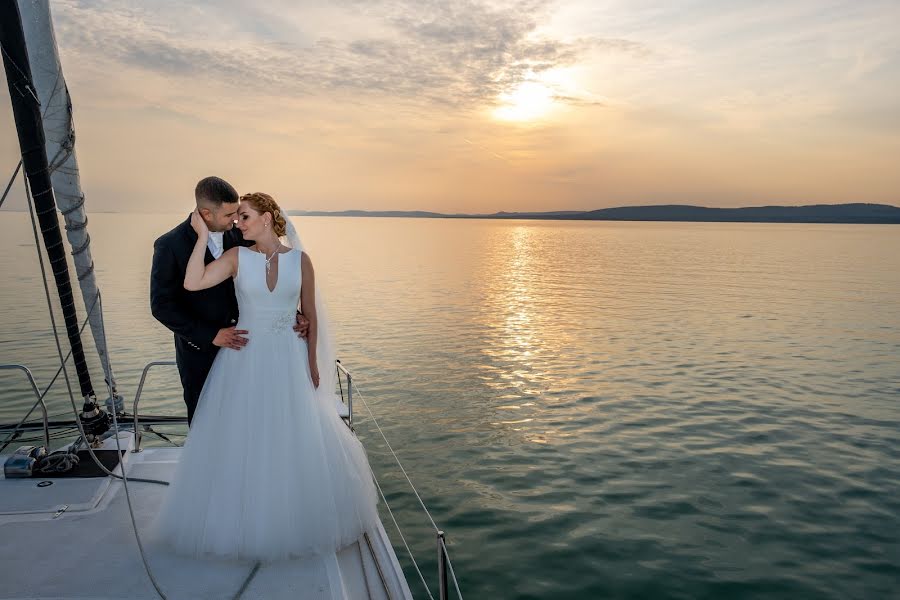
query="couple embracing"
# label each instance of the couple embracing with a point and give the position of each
(269, 470)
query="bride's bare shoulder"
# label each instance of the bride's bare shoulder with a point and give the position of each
(231, 253)
(305, 262)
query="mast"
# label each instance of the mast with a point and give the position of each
(59, 132)
(27, 115)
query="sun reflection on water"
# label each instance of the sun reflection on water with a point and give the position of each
(521, 338)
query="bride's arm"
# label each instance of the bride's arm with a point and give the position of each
(199, 276)
(308, 302)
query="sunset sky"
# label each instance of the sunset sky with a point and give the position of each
(481, 106)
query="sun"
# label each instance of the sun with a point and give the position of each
(527, 102)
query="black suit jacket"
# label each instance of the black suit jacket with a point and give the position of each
(194, 317)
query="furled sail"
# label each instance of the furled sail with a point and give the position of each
(59, 133)
(27, 115)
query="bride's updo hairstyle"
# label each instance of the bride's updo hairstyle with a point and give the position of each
(264, 203)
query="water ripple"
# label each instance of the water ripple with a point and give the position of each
(591, 410)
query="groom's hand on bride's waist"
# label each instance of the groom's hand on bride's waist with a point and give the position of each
(301, 326)
(229, 337)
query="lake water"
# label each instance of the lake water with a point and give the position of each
(590, 410)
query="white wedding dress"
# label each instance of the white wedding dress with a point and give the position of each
(269, 470)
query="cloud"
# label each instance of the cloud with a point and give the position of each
(459, 55)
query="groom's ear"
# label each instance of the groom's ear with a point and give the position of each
(205, 213)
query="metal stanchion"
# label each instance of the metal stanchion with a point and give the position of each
(442, 566)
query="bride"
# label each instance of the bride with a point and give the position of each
(269, 470)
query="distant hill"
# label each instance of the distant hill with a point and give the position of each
(816, 213)
(420, 214)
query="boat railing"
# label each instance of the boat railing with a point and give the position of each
(39, 401)
(169, 363)
(137, 398)
(341, 369)
(446, 573)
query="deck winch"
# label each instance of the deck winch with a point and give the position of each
(94, 420)
(21, 463)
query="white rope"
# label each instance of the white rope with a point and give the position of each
(134, 527)
(58, 462)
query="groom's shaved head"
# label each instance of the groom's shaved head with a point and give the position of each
(217, 203)
(212, 192)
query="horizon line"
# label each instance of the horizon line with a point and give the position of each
(502, 213)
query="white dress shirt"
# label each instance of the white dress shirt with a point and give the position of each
(215, 243)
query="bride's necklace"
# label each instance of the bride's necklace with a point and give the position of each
(268, 258)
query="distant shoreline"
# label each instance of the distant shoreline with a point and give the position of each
(850, 214)
(857, 213)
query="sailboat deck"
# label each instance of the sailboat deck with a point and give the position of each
(89, 550)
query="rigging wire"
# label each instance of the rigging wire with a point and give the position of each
(415, 491)
(402, 538)
(11, 180)
(72, 395)
(450, 566)
(396, 458)
(22, 73)
(161, 436)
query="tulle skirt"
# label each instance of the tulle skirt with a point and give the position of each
(269, 471)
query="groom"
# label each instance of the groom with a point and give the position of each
(202, 321)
